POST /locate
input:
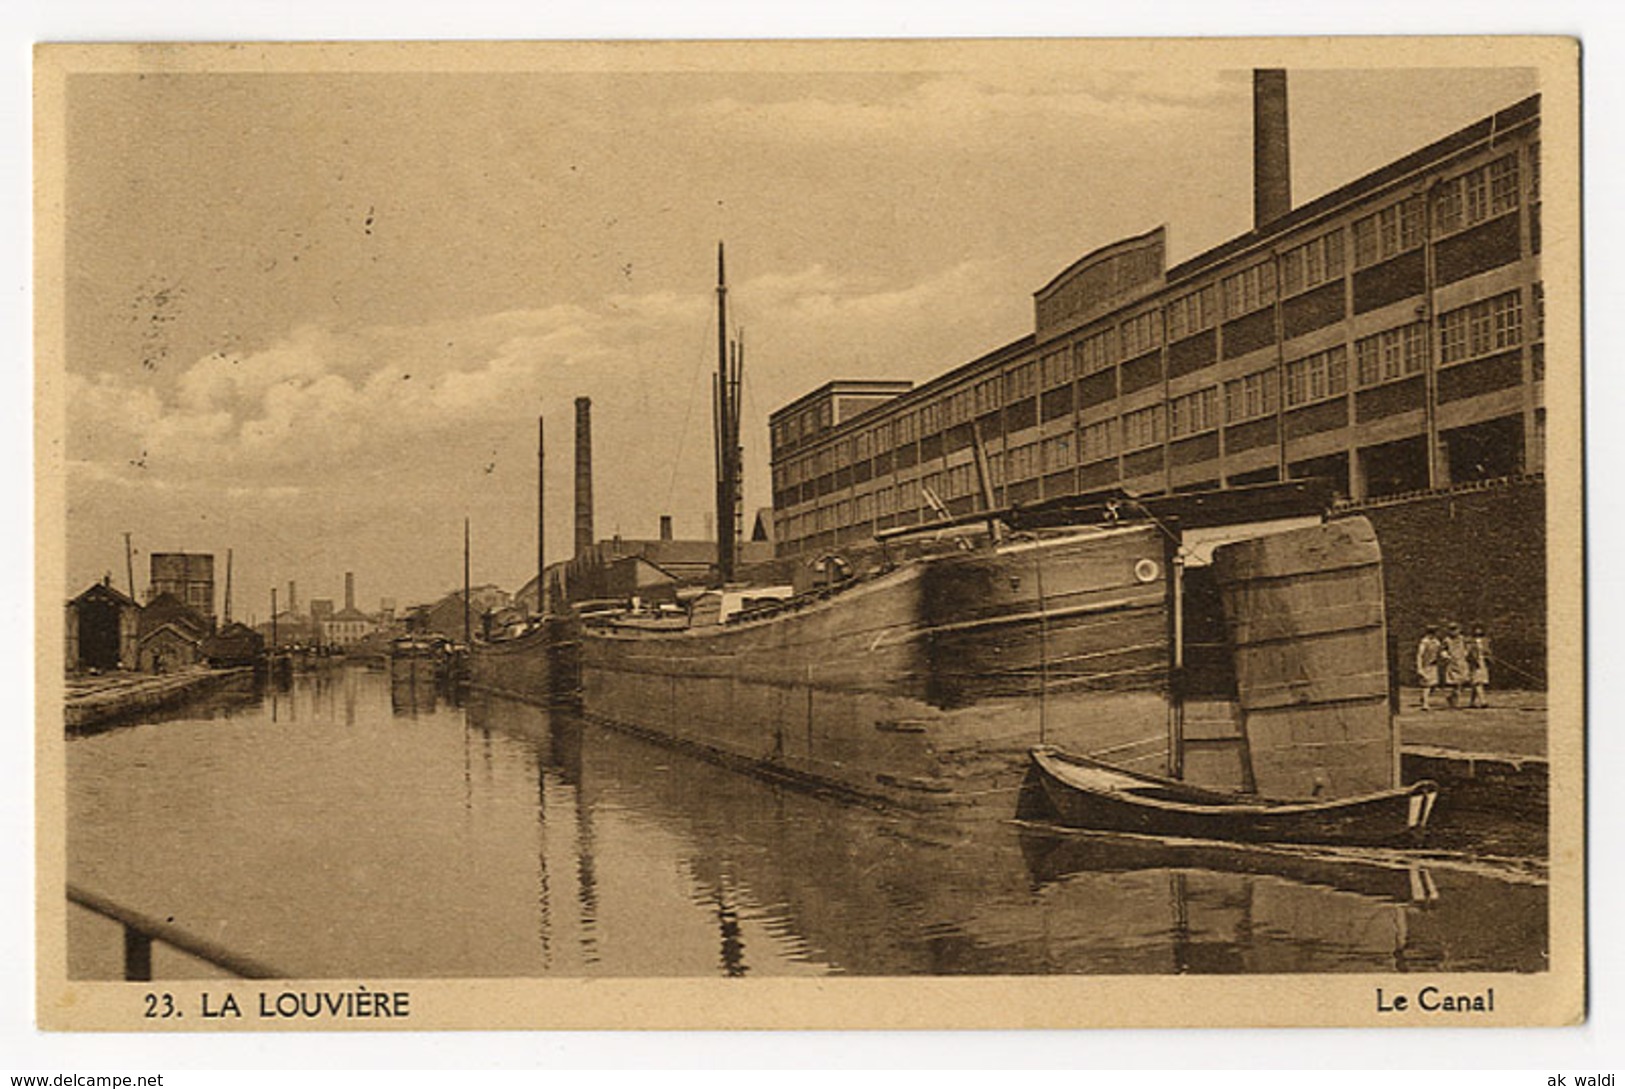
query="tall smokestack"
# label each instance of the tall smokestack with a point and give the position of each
(665, 527)
(293, 600)
(1272, 166)
(583, 475)
(349, 589)
(227, 609)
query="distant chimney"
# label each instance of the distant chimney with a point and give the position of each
(349, 589)
(1272, 166)
(583, 475)
(665, 527)
(293, 600)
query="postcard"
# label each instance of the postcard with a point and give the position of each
(839, 534)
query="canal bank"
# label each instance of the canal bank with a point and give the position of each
(1488, 759)
(106, 698)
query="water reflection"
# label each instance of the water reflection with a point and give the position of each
(338, 829)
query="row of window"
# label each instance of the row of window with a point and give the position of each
(1460, 202)
(1479, 329)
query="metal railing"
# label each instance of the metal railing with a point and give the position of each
(141, 930)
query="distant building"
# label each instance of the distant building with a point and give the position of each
(290, 629)
(189, 576)
(171, 635)
(608, 570)
(234, 644)
(346, 628)
(102, 630)
(445, 617)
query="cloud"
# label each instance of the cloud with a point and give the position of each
(380, 429)
(951, 107)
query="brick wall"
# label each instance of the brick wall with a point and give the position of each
(1473, 556)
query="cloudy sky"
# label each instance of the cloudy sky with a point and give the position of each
(313, 317)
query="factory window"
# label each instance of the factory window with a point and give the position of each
(995, 470)
(1057, 368)
(865, 444)
(1534, 171)
(1391, 354)
(930, 418)
(1194, 412)
(1141, 334)
(1250, 397)
(1317, 377)
(1315, 262)
(863, 508)
(1537, 303)
(959, 481)
(1250, 289)
(1022, 462)
(1193, 312)
(1142, 428)
(1098, 440)
(960, 406)
(1476, 195)
(1094, 353)
(1388, 233)
(905, 428)
(1482, 328)
(987, 396)
(885, 501)
(1021, 382)
(1058, 453)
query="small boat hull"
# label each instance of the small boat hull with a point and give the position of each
(1086, 793)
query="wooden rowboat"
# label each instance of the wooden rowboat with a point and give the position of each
(1086, 793)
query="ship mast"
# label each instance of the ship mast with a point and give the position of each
(725, 425)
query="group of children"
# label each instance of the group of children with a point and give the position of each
(1454, 662)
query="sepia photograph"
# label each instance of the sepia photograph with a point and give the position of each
(809, 534)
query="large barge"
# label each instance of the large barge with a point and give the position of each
(1233, 638)
(1242, 657)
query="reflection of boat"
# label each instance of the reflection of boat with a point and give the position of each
(1090, 794)
(1053, 855)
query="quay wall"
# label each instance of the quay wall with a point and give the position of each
(138, 694)
(1475, 555)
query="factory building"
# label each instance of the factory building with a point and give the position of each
(1387, 337)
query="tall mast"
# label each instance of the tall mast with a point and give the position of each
(541, 522)
(228, 588)
(725, 420)
(466, 604)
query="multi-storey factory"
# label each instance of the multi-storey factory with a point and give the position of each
(1386, 336)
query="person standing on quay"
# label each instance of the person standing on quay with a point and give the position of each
(1427, 663)
(1455, 673)
(1478, 665)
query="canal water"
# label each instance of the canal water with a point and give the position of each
(345, 827)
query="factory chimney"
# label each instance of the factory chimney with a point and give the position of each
(665, 527)
(293, 600)
(349, 589)
(1272, 166)
(583, 475)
